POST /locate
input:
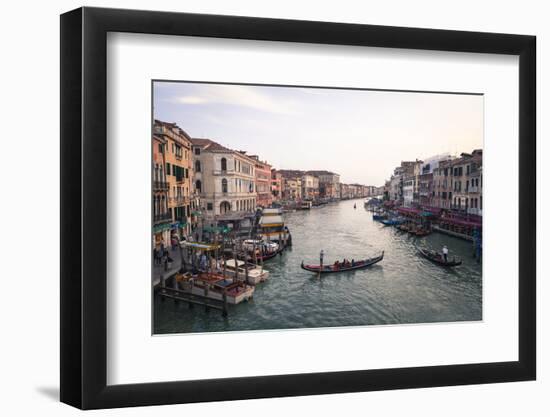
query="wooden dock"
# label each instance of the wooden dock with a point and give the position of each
(192, 299)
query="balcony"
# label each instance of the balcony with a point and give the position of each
(160, 186)
(178, 201)
(474, 189)
(162, 218)
(223, 172)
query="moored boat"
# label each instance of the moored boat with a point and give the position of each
(259, 250)
(341, 267)
(438, 258)
(272, 227)
(393, 222)
(214, 286)
(305, 205)
(254, 274)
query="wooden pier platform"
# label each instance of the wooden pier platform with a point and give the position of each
(192, 299)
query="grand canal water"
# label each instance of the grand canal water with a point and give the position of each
(403, 288)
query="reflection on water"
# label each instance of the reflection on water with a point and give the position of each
(402, 288)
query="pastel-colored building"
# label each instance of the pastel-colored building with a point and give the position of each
(264, 197)
(161, 216)
(178, 170)
(329, 183)
(310, 187)
(276, 185)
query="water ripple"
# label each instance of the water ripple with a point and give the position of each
(403, 288)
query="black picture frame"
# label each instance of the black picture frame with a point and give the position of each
(84, 207)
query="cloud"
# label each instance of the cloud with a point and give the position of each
(242, 96)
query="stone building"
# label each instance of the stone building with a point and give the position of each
(442, 185)
(408, 187)
(466, 178)
(225, 180)
(329, 183)
(310, 187)
(292, 189)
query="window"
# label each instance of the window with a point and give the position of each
(197, 166)
(197, 151)
(198, 186)
(224, 164)
(160, 147)
(224, 185)
(168, 169)
(209, 206)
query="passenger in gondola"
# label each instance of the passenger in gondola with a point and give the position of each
(352, 263)
(336, 265)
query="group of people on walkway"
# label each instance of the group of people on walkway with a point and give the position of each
(161, 254)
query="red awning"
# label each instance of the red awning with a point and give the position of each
(460, 222)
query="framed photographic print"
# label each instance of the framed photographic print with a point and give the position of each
(257, 207)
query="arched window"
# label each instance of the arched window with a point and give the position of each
(224, 164)
(197, 166)
(225, 207)
(224, 185)
(198, 186)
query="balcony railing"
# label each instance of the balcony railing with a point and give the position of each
(163, 217)
(160, 185)
(223, 172)
(475, 211)
(473, 189)
(179, 200)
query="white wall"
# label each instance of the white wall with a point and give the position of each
(30, 331)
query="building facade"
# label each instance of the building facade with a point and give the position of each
(264, 196)
(466, 171)
(276, 185)
(178, 171)
(329, 184)
(409, 186)
(442, 185)
(310, 187)
(224, 180)
(292, 189)
(161, 217)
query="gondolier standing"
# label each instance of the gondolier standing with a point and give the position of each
(445, 252)
(321, 256)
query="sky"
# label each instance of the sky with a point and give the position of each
(360, 134)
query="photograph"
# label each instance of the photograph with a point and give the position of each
(302, 207)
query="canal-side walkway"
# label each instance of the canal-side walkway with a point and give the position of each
(169, 270)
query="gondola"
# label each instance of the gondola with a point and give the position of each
(331, 268)
(437, 258)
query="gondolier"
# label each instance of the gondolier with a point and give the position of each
(445, 252)
(439, 258)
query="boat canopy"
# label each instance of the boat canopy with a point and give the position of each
(271, 211)
(233, 263)
(201, 246)
(271, 220)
